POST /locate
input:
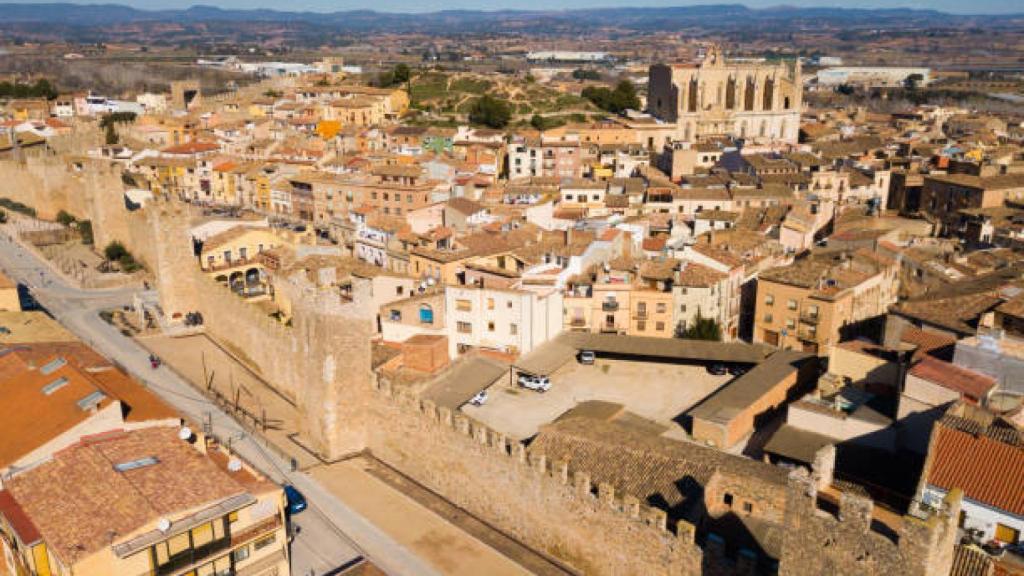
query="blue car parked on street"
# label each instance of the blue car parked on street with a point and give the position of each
(296, 501)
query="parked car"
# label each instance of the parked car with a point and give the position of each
(737, 369)
(717, 369)
(480, 399)
(296, 502)
(587, 357)
(538, 383)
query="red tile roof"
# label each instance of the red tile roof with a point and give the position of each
(654, 244)
(931, 343)
(987, 470)
(191, 148)
(953, 377)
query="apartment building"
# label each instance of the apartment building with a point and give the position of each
(700, 291)
(559, 157)
(143, 502)
(511, 320)
(943, 196)
(804, 306)
(622, 297)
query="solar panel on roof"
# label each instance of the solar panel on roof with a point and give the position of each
(136, 464)
(52, 366)
(55, 385)
(91, 400)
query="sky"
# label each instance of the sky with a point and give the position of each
(952, 6)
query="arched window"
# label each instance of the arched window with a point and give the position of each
(769, 94)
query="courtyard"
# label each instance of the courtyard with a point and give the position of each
(658, 391)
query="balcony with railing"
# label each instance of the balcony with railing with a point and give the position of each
(810, 317)
(258, 529)
(807, 334)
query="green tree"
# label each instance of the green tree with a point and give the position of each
(624, 97)
(584, 74)
(85, 231)
(617, 101)
(701, 329)
(490, 111)
(117, 118)
(402, 73)
(114, 251)
(543, 123)
(110, 135)
(64, 218)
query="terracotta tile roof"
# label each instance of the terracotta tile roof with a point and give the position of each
(956, 312)
(1012, 307)
(654, 244)
(191, 148)
(29, 393)
(953, 377)
(465, 206)
(22, 379)
(79, 498)
(988, 470)
(697, 275)
(931, 343)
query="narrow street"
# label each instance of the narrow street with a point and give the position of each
(329, 535)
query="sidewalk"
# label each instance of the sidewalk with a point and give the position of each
(444, 546)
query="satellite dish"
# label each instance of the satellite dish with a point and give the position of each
(234, 465)
(185, 433)
(163, 525)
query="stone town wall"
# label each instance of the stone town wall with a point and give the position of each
(46, 184)
(321, 362)
(95, 192)
(818, 542)
(543, 504)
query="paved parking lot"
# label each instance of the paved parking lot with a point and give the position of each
(657, 391)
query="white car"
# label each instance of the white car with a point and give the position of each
(538, 383)
(480, 399)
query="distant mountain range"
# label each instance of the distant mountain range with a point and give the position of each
(723, 16)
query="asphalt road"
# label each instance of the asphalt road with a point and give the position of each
(329, 534)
